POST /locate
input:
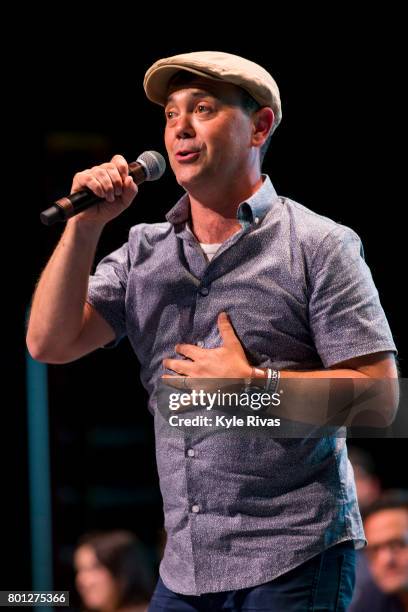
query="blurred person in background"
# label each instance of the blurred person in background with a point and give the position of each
(112, 572)
(368, 488)
(368, 485)
(386, 529)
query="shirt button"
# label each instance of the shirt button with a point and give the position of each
(200, 343)
(195, 508)
(204, 290)
(256, 220)
(190, 452)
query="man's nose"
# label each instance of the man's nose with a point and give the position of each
(184, 127)
(386, 557)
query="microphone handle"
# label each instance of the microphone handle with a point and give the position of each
(67, 207)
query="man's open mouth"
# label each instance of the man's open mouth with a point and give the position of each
(187, 155)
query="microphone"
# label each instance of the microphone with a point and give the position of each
(149, 166)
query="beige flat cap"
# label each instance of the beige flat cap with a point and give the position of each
(218, 66)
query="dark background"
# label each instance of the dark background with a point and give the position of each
(336, 151)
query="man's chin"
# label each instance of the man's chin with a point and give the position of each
(187, 180)
(393, 585)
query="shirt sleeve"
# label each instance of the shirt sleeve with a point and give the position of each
(107, 291)
(345, 313)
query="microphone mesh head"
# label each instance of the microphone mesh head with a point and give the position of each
(153, 163)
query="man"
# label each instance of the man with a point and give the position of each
(386, 528)
(238, 283)
(368, 489)
(368, 484)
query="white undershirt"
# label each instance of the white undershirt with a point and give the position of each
(209, 249)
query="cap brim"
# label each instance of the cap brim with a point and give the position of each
(156, 82)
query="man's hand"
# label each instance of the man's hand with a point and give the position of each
(110, 181)
(227, 361)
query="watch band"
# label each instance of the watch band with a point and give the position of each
(270, 381)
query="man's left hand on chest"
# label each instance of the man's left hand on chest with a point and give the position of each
(227, 361)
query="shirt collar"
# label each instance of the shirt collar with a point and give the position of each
(249, 212)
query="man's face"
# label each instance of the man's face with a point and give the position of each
(205, 117)
(387, 536)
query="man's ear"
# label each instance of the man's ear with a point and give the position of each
(262, 122)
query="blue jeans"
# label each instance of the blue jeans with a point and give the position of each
(324, 583)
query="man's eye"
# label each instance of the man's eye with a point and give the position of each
(169, 115)
(203, 107)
